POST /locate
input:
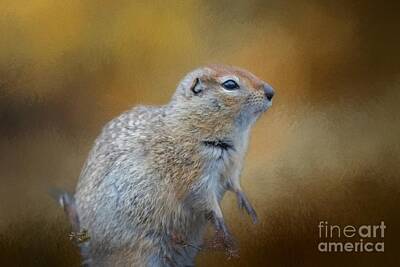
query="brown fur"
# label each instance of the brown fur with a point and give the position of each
(160, 172)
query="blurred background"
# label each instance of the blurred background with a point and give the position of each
(328, 150)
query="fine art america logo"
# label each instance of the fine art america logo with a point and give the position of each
(350, 238)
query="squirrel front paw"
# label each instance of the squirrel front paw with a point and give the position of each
(243, 202)
(223, 239)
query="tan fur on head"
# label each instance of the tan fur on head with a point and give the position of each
(201, 96)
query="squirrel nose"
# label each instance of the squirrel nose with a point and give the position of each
(269, 92)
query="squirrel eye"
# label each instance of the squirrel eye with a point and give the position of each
(230, 85)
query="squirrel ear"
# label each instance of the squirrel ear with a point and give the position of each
(196, 86)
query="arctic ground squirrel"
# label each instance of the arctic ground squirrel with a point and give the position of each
(155, 176)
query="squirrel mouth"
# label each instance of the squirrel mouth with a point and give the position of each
(264, 108)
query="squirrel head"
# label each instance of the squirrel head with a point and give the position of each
(219, 98)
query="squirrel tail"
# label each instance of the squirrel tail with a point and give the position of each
(78, 236)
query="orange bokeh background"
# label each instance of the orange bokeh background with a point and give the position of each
(327, 150)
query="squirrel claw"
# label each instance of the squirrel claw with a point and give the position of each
(224, 240)
(227, 243)
(245, 203)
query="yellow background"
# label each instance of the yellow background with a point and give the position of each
(327, 150)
